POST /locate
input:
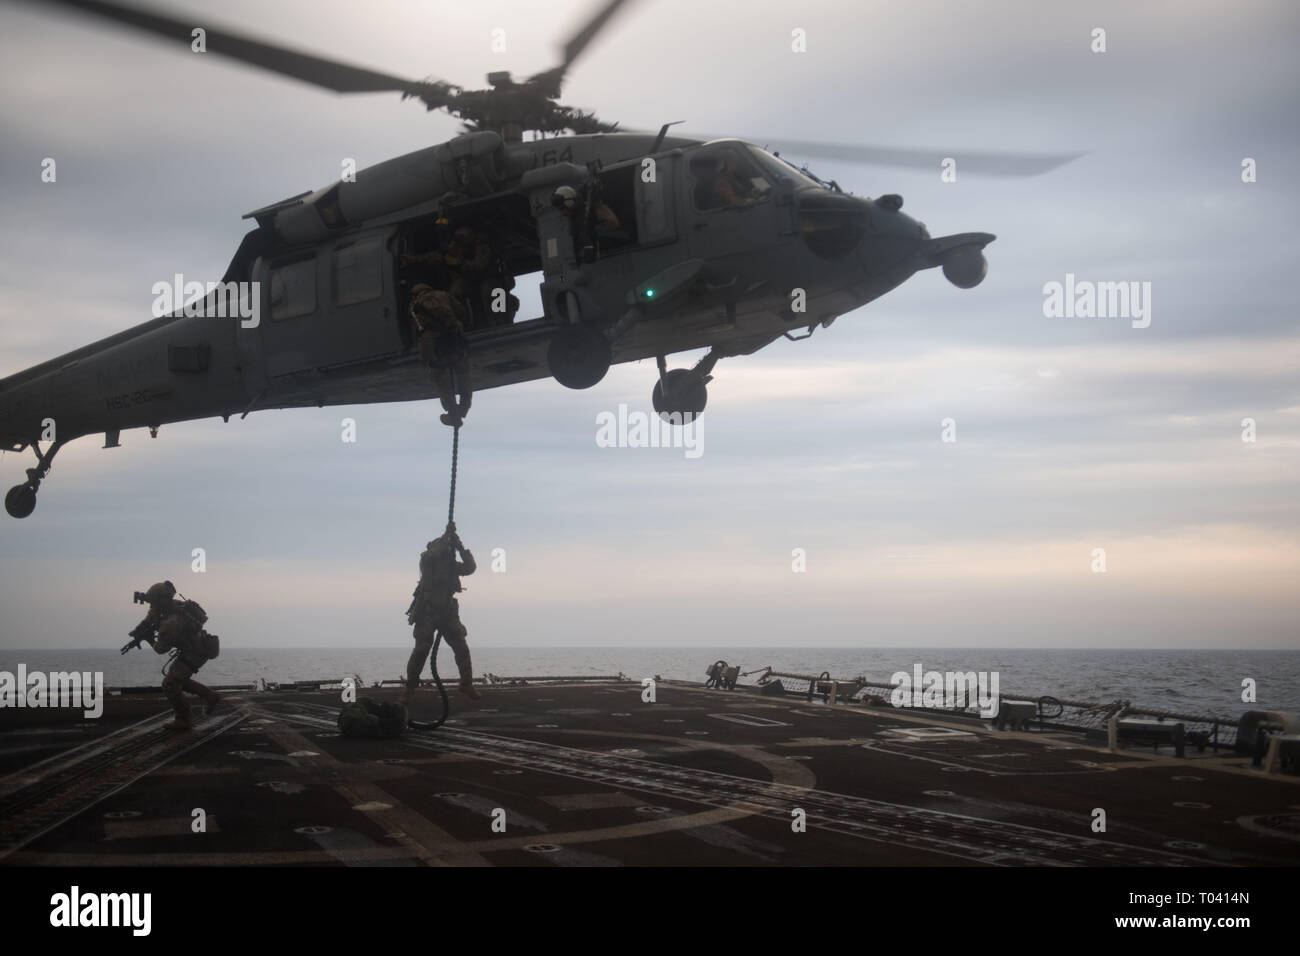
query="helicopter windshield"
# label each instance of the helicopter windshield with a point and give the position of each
(775, 168)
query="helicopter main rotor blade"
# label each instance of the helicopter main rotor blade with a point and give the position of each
(553, 77)
(331, 74)
(981, 163)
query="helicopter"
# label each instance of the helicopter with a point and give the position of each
(648, 244)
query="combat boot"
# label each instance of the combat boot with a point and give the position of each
(180, 722)
(213, 703)
(467, 688)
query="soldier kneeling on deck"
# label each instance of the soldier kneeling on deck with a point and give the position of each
(440, 323)
(435, 608)
(175, 625)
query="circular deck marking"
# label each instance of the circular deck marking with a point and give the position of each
(394, 761)
(507, 773)
(628, 752)
(697, 733)
(542, 848)
(1186, 779)
(372, 806)
(621, 714)
(1283, 825)
(673, 720)
(654, 811)
(783, 771)
(546, 726)
(939, 793)
(122, 814)
(1185, 845)
(1192, 805)
(313, 830)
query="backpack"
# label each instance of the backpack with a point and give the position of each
(371, 718)
(209, 644)
(195, 614)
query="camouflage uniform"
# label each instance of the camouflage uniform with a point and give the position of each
(435, 608)
(476, 277)
(439, 323)
(167, 627)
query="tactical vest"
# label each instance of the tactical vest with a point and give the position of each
(438, 581)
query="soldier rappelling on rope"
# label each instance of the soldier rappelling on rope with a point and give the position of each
(434, 609)
(440, 319)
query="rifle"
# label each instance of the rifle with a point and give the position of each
(139, 635)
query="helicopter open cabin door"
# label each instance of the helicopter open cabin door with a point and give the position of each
(329, 306)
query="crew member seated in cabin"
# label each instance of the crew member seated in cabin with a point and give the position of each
(439, 319)
(585, 234)
(724, 185)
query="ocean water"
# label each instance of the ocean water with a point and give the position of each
(1194, 682)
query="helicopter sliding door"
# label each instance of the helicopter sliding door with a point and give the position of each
(656, 219)
(330, 306)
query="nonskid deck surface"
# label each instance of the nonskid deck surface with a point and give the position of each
(590, 775)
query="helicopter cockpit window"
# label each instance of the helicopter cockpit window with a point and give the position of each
(727, 176)
(778, 168)
(293, 289)
(358, 271)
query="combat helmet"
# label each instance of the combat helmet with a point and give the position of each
(160, 593)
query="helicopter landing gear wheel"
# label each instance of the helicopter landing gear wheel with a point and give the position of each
(679, 394)
(20, 501)
(578, 356)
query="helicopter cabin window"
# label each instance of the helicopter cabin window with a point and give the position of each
(358, 271)
(726, 177)
(293, 289)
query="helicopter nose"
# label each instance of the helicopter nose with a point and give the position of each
(892, 237)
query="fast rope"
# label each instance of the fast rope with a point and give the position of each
(455, 457)
(442, 691)
(437, 641)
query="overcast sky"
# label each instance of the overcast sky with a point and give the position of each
(1072, 434)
